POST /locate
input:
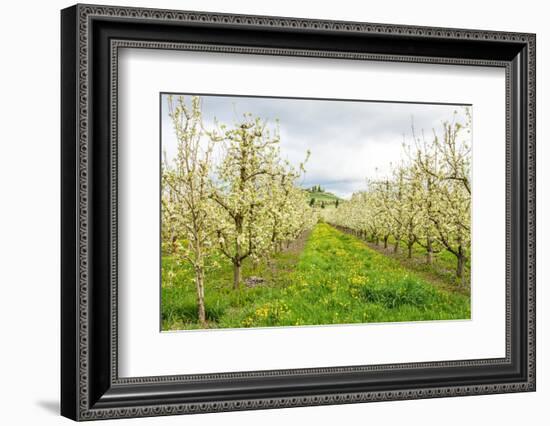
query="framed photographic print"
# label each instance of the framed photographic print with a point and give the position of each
(263, 212)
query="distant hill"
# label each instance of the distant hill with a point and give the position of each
(322, 197)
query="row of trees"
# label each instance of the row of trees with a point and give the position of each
(426, 200)
(316, 188)
(227, 192)
(323, 204)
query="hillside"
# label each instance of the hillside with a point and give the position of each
(321, 196)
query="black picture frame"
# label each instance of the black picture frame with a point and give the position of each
(90, 386)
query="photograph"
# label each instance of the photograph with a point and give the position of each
(280, 212)
(261, 209)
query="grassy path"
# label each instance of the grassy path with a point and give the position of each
(336, 279)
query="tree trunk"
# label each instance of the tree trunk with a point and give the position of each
(396, 246)
(461, 260)
(199, 283)
(429, 251)
(174, 243)
(237, 258)
(386, 241)
(410, 241)
(236, 275)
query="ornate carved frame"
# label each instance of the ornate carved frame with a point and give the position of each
(91, 38)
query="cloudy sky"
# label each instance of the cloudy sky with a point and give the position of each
(349, 141)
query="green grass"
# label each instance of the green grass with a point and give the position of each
(336, 279)
(442, 271)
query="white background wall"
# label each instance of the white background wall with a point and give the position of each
(29, 213)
